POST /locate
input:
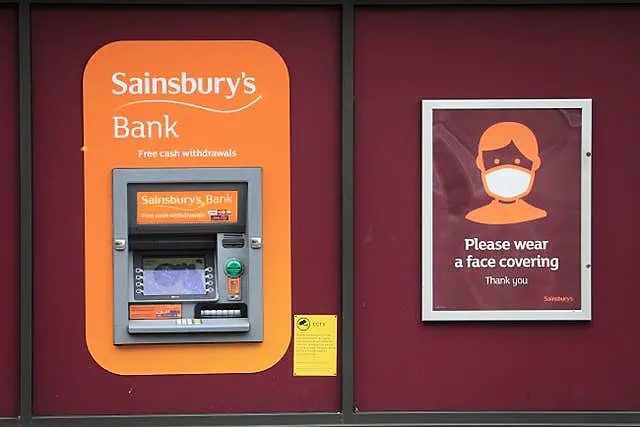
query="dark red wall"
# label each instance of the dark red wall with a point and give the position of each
(9, 214)
(67, 380)
(404, 55)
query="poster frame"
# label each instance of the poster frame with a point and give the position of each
(429, 106)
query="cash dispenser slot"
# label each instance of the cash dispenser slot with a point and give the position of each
(183, 271)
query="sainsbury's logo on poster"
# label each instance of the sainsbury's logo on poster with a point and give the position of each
(182, 84)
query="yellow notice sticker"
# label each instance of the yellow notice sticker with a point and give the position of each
(315, 345)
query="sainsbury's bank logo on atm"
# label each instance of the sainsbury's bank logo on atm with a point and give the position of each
(200, 206)
(189, 201)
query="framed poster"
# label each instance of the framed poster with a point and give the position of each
(506, 209)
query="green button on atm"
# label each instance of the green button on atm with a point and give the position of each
(233, 268)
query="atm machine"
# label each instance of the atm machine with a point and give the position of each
(187, 255)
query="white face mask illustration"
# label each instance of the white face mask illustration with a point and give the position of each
(507, 182)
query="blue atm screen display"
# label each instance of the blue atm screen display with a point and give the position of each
(173, 276)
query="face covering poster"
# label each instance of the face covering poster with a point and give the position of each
(506, 209)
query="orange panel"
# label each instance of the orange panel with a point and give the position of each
(154, 104)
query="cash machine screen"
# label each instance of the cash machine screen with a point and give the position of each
(173, 276)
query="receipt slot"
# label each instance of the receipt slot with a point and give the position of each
(187, 255)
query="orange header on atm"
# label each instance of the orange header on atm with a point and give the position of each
(187, 207)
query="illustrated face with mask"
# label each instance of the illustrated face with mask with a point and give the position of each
(507, 174)
(508, 160)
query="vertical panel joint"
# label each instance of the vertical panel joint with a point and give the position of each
(347, 324)
(26, 212)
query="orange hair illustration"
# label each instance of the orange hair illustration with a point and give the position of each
(501, 134)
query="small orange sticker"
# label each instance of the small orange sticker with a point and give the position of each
(233, 285)
(150, 312)
(178, 207)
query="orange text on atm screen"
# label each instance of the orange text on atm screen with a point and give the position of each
(187, 207)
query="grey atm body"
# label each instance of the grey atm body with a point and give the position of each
(210, 314)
